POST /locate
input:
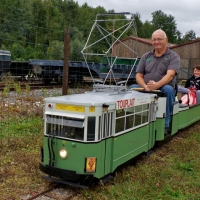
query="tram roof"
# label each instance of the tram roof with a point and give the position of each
(99, 98)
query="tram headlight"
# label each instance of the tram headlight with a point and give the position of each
(63, 153)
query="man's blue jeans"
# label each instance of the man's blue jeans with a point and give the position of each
(170, 93)
(134, 86)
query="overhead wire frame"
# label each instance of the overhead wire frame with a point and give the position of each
(105, 33)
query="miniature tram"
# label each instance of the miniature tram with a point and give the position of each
(88, 136)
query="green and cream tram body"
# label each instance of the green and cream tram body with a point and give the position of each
(89, 135)
(106, 127)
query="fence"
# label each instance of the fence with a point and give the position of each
(186, 69)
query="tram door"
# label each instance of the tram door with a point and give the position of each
(106, 130)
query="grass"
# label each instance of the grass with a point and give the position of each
(19, 158)
(171, 172)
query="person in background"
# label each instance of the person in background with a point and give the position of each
(194, 80)
(193, 83)
(190, 94)
(157, 70)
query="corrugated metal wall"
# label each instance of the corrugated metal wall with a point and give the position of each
(189, 53)
(190, 50)
(139, 47)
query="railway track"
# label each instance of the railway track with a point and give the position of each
(35, 86)
(56, 192)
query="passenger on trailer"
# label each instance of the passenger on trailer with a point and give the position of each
(157, 70)
(195, 79)
(192, 85)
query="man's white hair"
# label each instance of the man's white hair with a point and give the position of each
(161, 31)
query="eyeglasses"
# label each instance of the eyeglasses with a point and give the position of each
(157, 39)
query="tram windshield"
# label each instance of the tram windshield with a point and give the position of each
(67, 127)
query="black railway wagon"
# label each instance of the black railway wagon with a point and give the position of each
(53, 69)
(5, 61)
(47, 69)
(21, 69)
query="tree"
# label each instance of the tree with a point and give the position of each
(190, 35)
(76, 44)
(13, 22)
(69, 11)
(167, 23)
(18, 52)
(178, 36)
(55, 50)
(75, 50)
(139, 24)
(147, 29)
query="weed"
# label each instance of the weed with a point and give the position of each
(45, 92)
(17, 88)
(27, 89)
(6, 89)
(56, 94)
(188, 167)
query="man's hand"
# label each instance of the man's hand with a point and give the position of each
(152, 85)
(146, 88)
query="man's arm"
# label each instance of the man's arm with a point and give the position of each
(152, 85)
(140, 81)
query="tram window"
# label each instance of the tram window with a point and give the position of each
(129, 121)
(138, 119)
(120, 113)
(120, 120)
(72, 128)
(74, 122)
(105, 125)
(99, 131)
(138, 108)
(91, 128)
(145, 117)
(145, 106)
(110, 121)
(119, 125)
(131, 117)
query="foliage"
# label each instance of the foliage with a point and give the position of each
(147, 29)
(165, 22)
(17, 88)
(34, 29)
(55, 50)
(190, 35)
(75, 50)
(144, 30)
(76, 44)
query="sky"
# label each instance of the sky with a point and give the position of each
(185, 12)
